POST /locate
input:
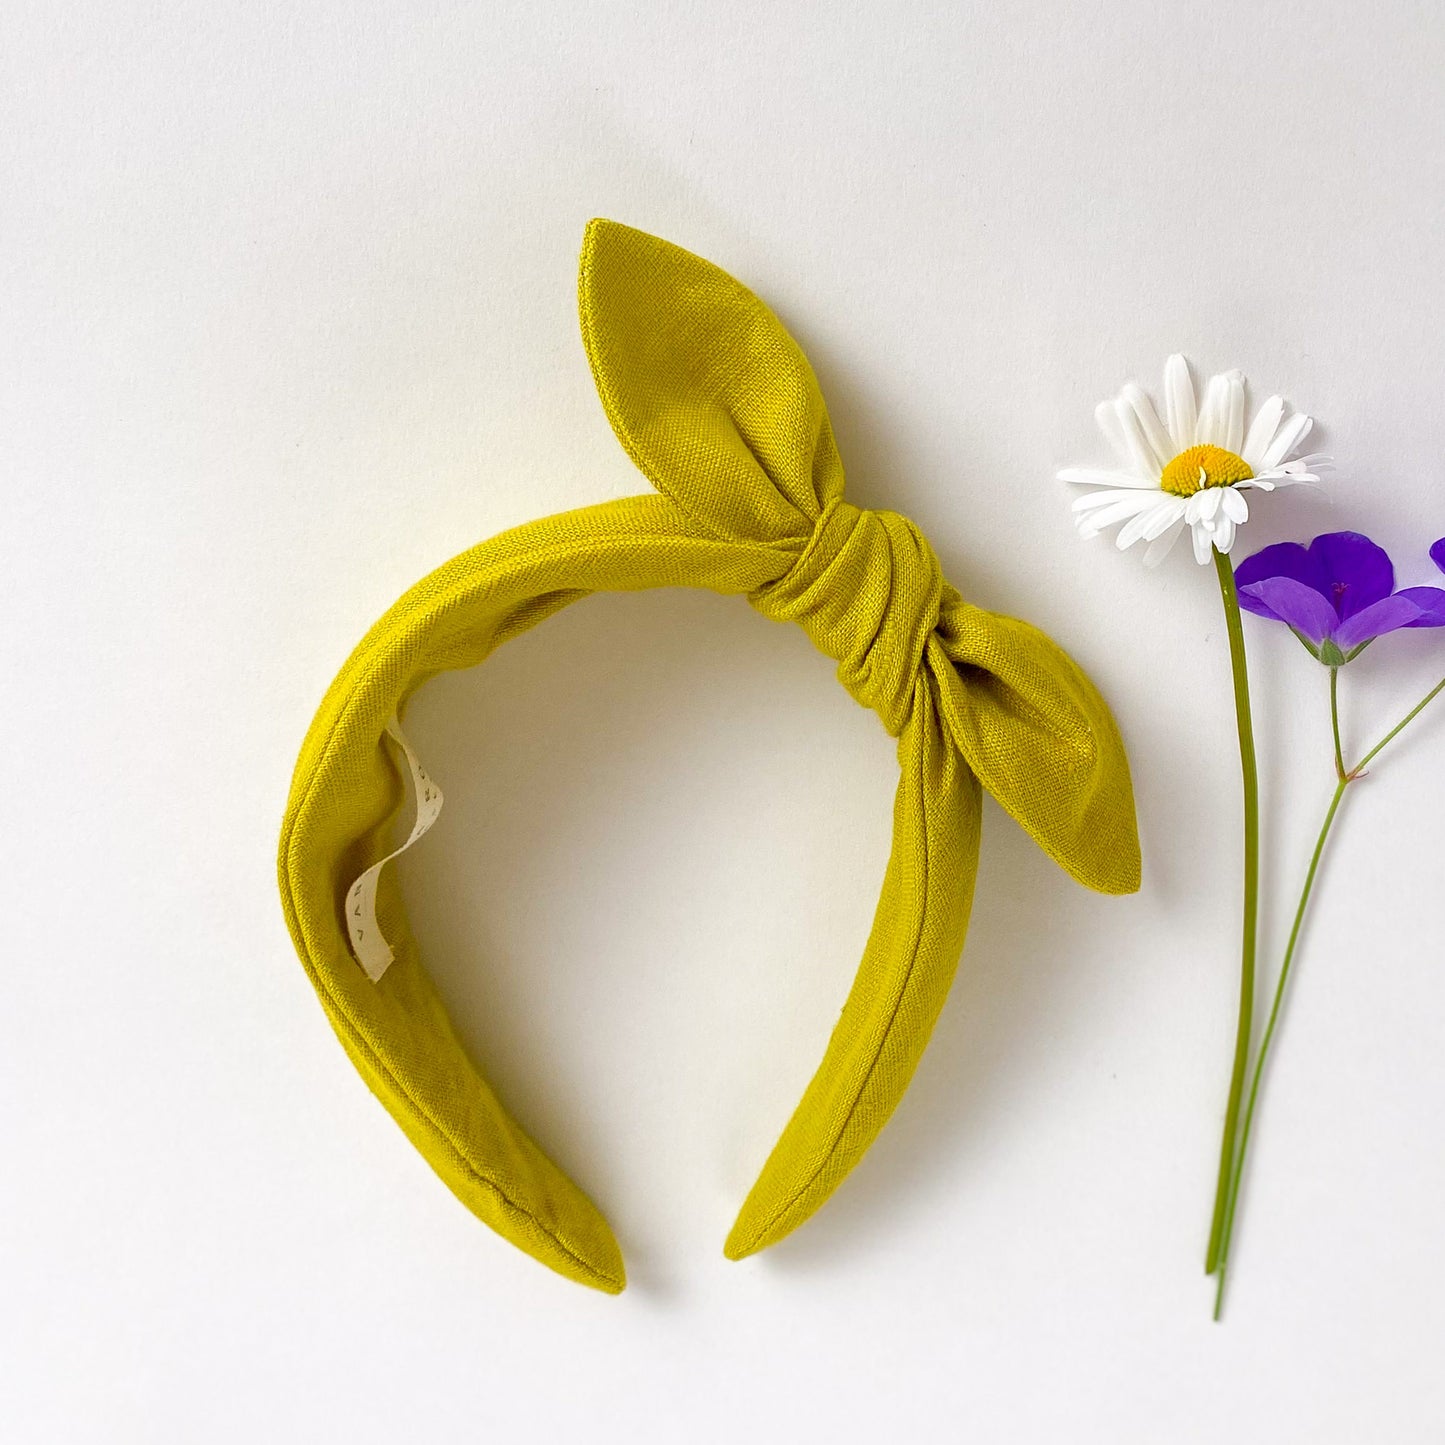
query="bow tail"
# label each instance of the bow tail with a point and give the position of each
(912, 954)
(1040, 739)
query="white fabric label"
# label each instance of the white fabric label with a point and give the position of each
(371, 949)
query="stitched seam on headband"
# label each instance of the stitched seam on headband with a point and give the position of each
(792, 1200)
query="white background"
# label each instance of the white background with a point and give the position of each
(287, 319)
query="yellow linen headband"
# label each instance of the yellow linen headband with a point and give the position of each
(719, 408)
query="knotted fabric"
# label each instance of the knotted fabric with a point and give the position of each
(867, 590)
(720, 410)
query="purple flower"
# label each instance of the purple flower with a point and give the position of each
(1338, 594)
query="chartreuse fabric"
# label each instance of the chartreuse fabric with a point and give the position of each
(718, 407)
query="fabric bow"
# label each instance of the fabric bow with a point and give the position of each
(718, 407)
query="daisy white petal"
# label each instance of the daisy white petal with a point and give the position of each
(1093, 523)
(1138, 443)
(1224, 535)
(1282, 478)
(1093, 477)
(1161, 448)
(1201, 509)
(1137, 525)
(1234, 506)
(1095, 500)
(1148, 524)
(1234, 412)
(1169, 512)
(1179, 405)
(1107, 417)
(1302, 471)
(1163, 545)
(1130, 532)
(1290, 435)
(1261, 432)
(1214, 414)
(1203, 544)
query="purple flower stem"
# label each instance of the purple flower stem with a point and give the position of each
(1343, 780)
(1250, 775)
(1335, 723)
(1222, 1267)
(1400, 726)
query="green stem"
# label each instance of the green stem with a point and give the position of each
(1400, 726)
(1343, 779)
(1222, 1264)
(1335, 722)
(1250, 775)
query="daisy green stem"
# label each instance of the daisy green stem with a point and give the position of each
(1222, 1263)
(1343, 779)
(1250, 775)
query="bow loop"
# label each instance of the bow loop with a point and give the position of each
(705, 389)
(867, 590)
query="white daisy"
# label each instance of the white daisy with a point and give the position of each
(1191, 472)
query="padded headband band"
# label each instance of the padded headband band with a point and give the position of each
(719, 408)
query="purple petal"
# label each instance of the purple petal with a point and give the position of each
(1359, 571)
(1293, 603)
(1284, 559)
(1387, 615)
(1437, 554)
(1431, 601)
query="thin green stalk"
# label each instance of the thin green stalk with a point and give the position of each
(1335, 721)
(1343, 779)
(1400, 726)
(1222, 1266)
(1249, 771)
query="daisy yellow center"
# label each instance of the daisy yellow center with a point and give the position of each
(1203, 466)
